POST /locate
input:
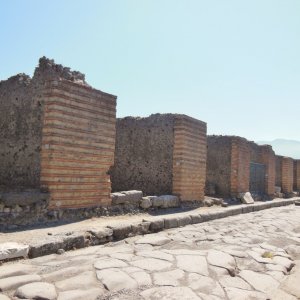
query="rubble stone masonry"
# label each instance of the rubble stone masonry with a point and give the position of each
(57, 135)
(161, 154)
(228, 165)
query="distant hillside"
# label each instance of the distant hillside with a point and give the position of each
(284, 147)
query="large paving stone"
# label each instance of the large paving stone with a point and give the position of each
(151, 264)
(65, 273)
(83, 281)
(142, 278)
(235, 282)
(260, 282)
(204, 284)
(4, 297)
(246, 198)
(11, 250)
(281, 295)
(221, 259)
(14, 282)
(170, 278)
(90, 294)
(192, 263)
(16, 269)
(240, 294)
(154, 240)
(116, 280)
(156, 254)
(108, 263)
(37, 290)
(292, 284)
(169, 293)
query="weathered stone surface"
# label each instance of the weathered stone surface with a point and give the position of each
(154, 240)
(184, 220)
(221, 259)
(102, 233)
(146, 202)
(291, 284)
(90, 294)
(11, 250)
(151, 264)
(121, 231)
(65, 273)
(16, 269)
(261, 282)
(170, 278)
(169, 293)
(169, 201)
(142, 278)
(37, 290)
(127, 197)
(14, 282)
(171, 222)
(281, 295)
(246, 198)
(192, 263)
(234, 282)
(239, 294)
(156, 254)
(157, 225)
(116, 280)
(109, 263)
(82, 281)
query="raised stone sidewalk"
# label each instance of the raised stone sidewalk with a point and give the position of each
(40, 242)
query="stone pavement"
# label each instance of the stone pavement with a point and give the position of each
(249, 256)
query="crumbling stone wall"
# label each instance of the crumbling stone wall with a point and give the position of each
(161, 154)
(297, 174)
(228, 165)
(218, 169)
(57, 141)
(20, 134)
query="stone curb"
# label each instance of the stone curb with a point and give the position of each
(102, 236)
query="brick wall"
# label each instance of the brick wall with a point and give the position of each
(287, 172)
(228, 165)
(267, 157)
(189, 158)
(60, 134)
(240, 166)
(278, 170)
(297, 174)
(78, 145)
(161, 154)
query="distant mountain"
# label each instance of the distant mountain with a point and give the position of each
(284, 147)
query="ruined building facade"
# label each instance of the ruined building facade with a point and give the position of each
(285, 174)
(161, 154)
(297, 175)
(57, 137)
(235, 166)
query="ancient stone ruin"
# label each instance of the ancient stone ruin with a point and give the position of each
(236, 166)
(57, 137)
(62, 149)
(161, 154)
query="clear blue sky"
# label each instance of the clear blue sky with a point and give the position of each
(232, 63)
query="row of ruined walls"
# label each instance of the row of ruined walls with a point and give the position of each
(230, 158)
(58, 149)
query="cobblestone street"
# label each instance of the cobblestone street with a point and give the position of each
(249, 256)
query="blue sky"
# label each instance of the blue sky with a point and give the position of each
(232, 63)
